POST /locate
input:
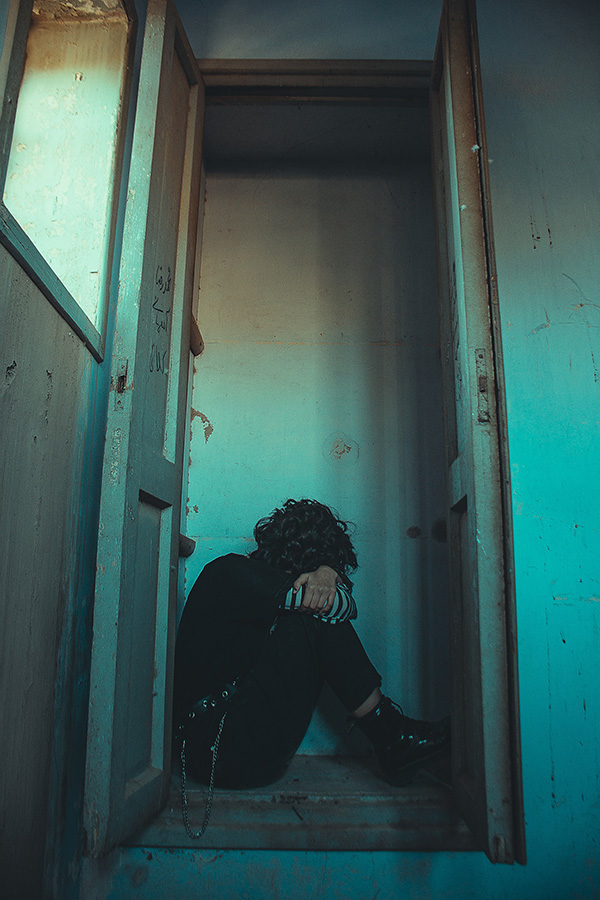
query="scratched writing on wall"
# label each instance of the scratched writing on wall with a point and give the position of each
(161, 319)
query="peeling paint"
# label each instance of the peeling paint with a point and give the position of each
(566, 599)
(75, 9)
(206, 423)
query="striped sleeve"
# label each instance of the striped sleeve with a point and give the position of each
(343, 608)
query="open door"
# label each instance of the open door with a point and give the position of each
(486, 760)
(128, 752)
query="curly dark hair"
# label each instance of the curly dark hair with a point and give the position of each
(302, 535)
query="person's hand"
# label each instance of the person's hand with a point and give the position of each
(319, 589)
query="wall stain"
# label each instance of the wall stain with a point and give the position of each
(583, 307)
(340, 446)
(535, 235)
(595, 366)
(584, 303)
(547, 221)
(48, 394)
(11, 372)
(545, 324)
(139, 876)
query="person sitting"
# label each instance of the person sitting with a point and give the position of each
(259, 636)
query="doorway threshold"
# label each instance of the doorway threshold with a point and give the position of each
(333, 803)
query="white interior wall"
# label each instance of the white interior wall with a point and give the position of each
(321, 378)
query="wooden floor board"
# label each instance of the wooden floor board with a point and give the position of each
(320, 803)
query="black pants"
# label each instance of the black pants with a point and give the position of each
(272, 707)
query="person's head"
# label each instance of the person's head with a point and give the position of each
(302, 535)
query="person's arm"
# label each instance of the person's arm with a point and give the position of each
(341, 608)
(320, 588)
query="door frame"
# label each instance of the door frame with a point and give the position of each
(401, 83)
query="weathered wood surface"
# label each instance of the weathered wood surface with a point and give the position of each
(46, 374)
(482, 740)
(128, 750)
(336, 802)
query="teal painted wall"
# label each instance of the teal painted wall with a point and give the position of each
(541, 83)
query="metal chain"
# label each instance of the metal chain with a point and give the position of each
(209, 801)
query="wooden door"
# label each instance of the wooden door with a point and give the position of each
(128, 754)
(486, 767)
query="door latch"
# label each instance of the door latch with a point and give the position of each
(121, 382)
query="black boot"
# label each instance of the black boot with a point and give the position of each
(401, 744)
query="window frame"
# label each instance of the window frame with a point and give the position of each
(12, 235)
